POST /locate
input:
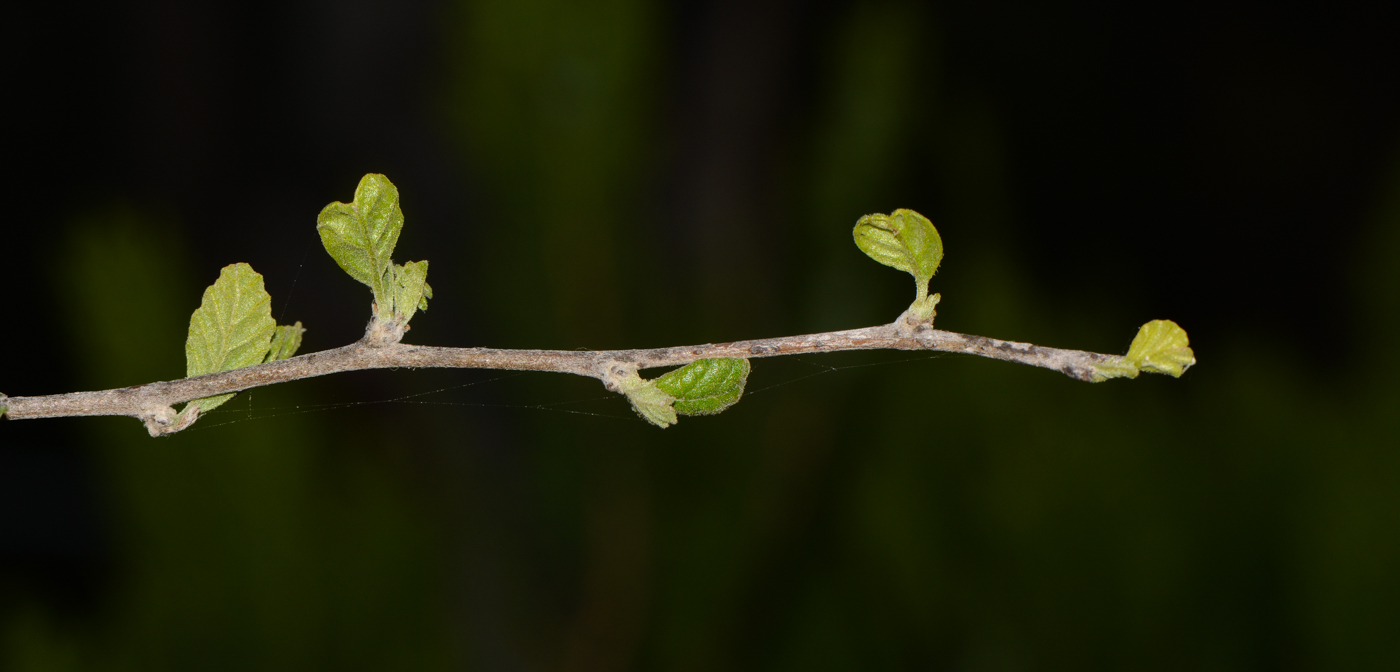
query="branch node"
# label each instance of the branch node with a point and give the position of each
(910, 325)
(380, 334)
(160, 419)
(613, 373)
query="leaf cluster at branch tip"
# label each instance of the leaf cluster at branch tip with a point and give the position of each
(1161, 346)
(233, 328)
(703, 387)
(361, 236)
(908, 241)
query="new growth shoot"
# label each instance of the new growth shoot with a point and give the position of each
(234, 344)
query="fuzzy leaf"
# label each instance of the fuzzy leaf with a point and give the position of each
(649, 402)
(707, 386)
(1160, 347)
(361, 235)
(285, 342)
(427, 294)
(905, 240)
(231, 329)
(409, 285)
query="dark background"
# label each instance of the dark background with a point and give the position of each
(620, 173)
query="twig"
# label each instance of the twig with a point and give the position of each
(152, 403)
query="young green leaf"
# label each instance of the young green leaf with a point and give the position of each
(427, 294)
(1160, 347)
(285, 342)
(905, 240)
(3, 408)
(409, 284)
(361, 235)
(707, 386)
(649, 402)
(231, 329)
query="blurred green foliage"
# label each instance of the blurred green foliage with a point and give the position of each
(892, 514)
(279, 545)
(552, 100)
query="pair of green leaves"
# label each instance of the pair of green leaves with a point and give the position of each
(361, 236)
(905, 240)
(908, 241)
(1160, 347)
(703, 387)
(233, 328)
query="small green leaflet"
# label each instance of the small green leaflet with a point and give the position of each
(361, 236)
(231, 329)
(233, 326)
(703, 387)
(1160, 347)
(905, 240)
(3, 408)
(409, 284)
(649, 402)
(285, 342)
(707, 386)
